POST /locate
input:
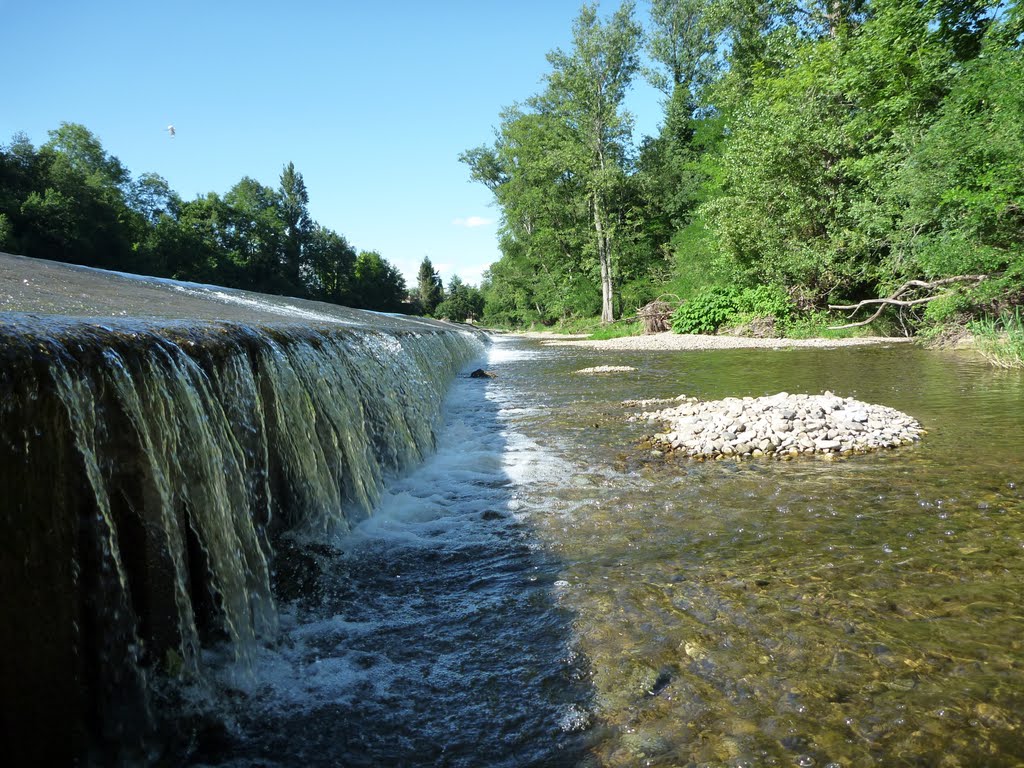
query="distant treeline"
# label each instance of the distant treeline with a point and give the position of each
(69, 200)
(826, 151)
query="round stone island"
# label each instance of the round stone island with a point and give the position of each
(782, 426)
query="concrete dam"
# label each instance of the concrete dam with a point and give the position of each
(163, 447)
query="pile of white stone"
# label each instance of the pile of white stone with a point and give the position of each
(781, 426)
(608, 369)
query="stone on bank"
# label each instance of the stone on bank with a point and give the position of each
(781, 425)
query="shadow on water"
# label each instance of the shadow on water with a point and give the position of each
(858, 612)
(431, 634)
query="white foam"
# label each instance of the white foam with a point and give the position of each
(504, 350)
(463, 496)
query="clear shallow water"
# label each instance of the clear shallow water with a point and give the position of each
(545, 592)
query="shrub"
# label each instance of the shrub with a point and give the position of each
(946, 308)
(706, 311)
(767, 301)
(711, 308)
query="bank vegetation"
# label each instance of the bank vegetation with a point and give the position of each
(819, 164)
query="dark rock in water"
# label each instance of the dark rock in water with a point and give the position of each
(491, 514)
(480, 373)
(661, 683)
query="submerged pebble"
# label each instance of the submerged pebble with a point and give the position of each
(780, 425)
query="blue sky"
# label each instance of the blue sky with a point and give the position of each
(372, 102)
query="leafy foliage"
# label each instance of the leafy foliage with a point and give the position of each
(711, 308)
(706, 311)
(71, 201)
(462, 303)
(377, 283)
(835, 150)
(558, 171)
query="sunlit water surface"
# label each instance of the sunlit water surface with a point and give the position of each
(545, 591)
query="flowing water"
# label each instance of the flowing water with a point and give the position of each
(545, 591)
(162, 481)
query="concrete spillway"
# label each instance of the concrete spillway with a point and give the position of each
(156, 440)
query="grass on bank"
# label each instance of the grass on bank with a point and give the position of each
(1001, 339)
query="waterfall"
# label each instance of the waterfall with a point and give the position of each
(147, 469)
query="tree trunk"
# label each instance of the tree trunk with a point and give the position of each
(834, 16)
(604, 255)
(607, 291)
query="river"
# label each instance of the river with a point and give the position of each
(544, 591)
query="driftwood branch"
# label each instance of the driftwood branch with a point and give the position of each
(894, 300)
(656, 315)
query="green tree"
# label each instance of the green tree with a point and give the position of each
(200, 244)
(76, 210)
(785, 211)
(682, 40)
(587, 88)
(964, 181)
(429, 287)
(152, 197)
(331, 262)
(19, 176)
(76, 150)
(462, 302)
(378, 284)
(547, 256)
(254, 236)
(294, 207)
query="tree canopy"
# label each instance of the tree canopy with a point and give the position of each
(69, 200)
(828, 149)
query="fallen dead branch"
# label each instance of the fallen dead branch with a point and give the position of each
(894, 300)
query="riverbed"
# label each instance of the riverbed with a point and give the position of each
(546, 591)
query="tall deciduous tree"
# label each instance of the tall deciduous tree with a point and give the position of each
(255, 234)
(331, 263)
(534, 171)
(587, 88)
(76, 210)
(682, 41)
(152, 197)
(462, 302)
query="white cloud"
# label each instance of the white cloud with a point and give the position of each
(473, 274)
(471, 221)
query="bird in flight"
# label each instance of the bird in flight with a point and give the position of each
(171, 131)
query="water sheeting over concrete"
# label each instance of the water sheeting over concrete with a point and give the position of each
(156, 438)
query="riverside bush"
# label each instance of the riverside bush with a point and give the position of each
(946, 308)
(706, 311)
(711, 308)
